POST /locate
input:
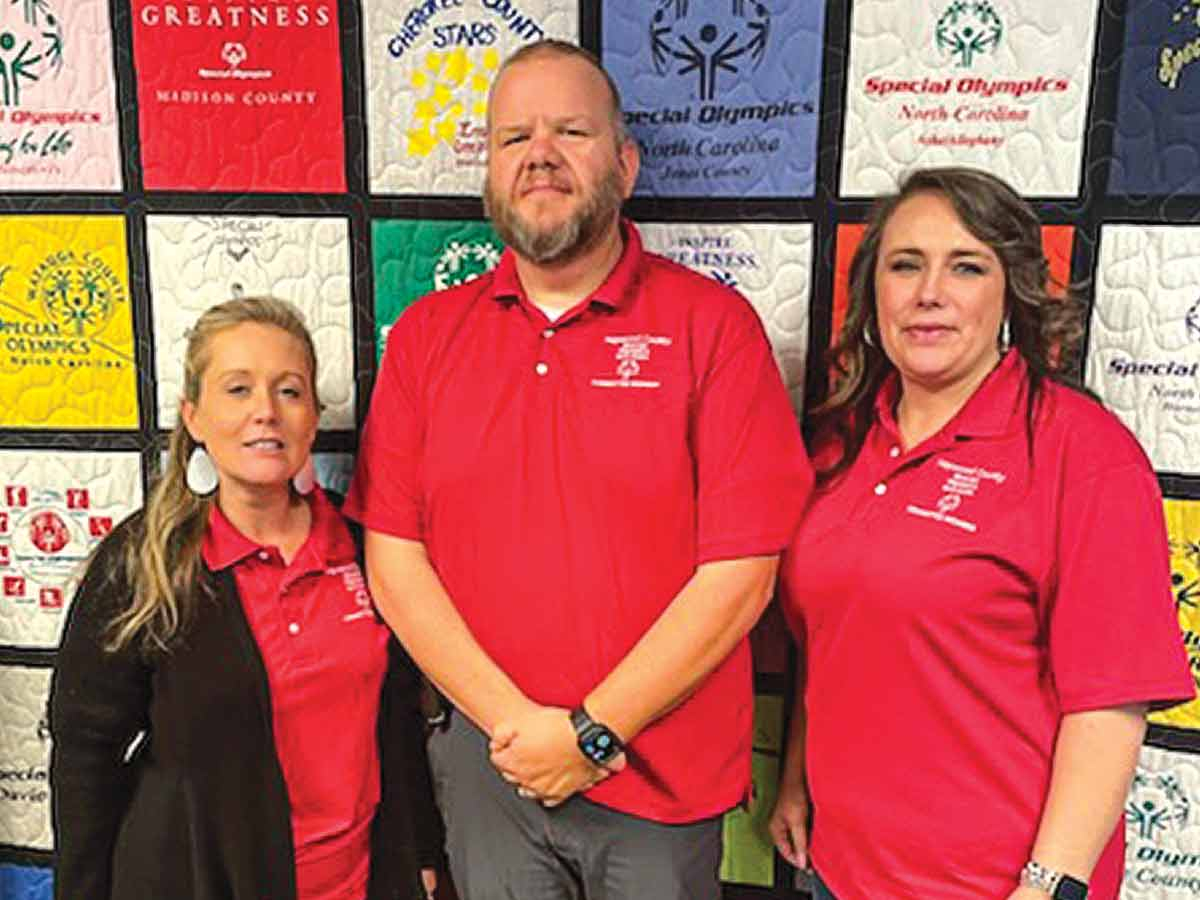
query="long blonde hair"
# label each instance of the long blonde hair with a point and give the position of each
(162, 561)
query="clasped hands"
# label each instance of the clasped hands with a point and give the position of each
(537, 752)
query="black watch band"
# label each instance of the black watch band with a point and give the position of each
(597, 742)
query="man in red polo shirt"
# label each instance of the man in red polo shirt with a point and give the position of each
(576, 476)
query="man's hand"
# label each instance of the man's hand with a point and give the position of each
(789, 824)
(539, 753)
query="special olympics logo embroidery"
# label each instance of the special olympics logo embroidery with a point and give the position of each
(1157, 802)
(77, 293)
(967, 29)
(234, 54)
(464, 261)
(48, 532)
(231, 240)
(355, 585)
(31, 47)
(45, 534)
(962, 483)
(689, 39)
(1192, 322)
(632, 352)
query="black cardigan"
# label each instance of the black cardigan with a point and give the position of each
(200, 811)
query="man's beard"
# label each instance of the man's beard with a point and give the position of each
(556, 243)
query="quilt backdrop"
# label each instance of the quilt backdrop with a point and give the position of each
(158, 156)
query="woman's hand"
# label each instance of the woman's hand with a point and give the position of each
(789, 823)
(429, 881)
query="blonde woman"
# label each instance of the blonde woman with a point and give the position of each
(231, 719)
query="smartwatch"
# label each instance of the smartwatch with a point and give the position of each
(1056, 884)
(597, 742)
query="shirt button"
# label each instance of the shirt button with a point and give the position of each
(548, 333)
(294, 628)
(880, 489)
(541, 368)
(264, 555)
(894, 452)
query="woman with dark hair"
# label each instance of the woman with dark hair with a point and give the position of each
(980, 586)
(231, 718)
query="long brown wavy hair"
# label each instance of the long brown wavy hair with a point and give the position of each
(162, 560)
(1045, 318)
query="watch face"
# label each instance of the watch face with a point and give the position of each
(1070, 889)
(598, 744)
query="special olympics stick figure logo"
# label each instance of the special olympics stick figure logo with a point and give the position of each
(31, 46)
(1156, 802)
(1192, 321)
(79, 294)
(968, 28)
(234, 54)
(688, 37)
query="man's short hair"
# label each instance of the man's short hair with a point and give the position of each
(555, 47)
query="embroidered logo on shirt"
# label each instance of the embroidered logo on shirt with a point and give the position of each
(632, 351)
(963, 481)
(356, 586)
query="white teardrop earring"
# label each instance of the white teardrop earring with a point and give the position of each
(201, 473)
(1005, 339)
(304, 480)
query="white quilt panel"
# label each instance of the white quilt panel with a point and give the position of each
(1000, 85)
(769, 263)
(24, 758)
(54, 508)
(1144, 345)
(1162, 828)
(198, 261)
(58, 117)
(429, 67)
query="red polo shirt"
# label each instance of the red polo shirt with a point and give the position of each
(954, 602)
(325, 652)
(568, 478)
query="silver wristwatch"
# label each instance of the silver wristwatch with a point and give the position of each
(1056, 884)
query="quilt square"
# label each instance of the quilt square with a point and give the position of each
(722, 98)
(1183, 528)
(66, 324)
(1144, 340)
(199, 261)
(25, 750)
(769, 263)
(416, 256)
(54, 509)
(240, 97)
(1002, 85)
(58, 105)
(1162, 831)
(429, 69)
(1156, 142)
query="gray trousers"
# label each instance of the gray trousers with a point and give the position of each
(502, 847)
(820, 891)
